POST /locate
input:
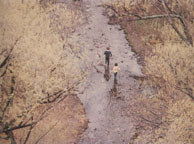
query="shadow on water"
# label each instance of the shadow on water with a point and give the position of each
(113, 94)
(114, 89)
(107, 73)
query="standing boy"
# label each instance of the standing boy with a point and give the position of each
(107, 54)
(115, 71)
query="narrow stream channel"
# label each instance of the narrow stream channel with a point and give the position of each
(104, 100)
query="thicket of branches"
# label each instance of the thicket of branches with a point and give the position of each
(38, 68)
(179, 14)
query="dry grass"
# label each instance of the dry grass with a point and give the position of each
(41, 61)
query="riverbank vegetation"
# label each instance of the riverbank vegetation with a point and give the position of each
(161, 33)
(39, 72)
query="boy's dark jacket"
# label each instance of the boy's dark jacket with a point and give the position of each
(108, 53)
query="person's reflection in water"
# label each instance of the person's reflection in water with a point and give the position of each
(114, 89)
(107, 73)
(113, 94)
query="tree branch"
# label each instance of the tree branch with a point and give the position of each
(5, 108)
(152, 17)
(151, 122)
(18, 127)
(2, 51)
(29, 132)
(11, 136)
(7, 58)
(58, 94)
(24, 125)
(185, 92)
(4, 61)
(187, 38)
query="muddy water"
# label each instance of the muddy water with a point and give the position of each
(104, 100)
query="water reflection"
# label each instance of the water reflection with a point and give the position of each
(107, 73)
(112, 95)
(114, 89)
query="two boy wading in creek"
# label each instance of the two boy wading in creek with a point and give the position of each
(116, 68)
